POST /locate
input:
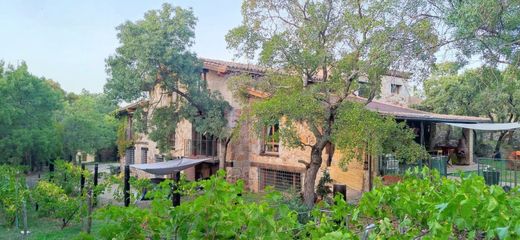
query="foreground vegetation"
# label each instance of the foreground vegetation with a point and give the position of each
(424, 205)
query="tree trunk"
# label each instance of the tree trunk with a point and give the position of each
(309, 195)
(499, 144)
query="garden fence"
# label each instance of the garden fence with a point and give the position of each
(501, 172)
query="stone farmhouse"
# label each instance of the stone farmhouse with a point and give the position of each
(265, 161)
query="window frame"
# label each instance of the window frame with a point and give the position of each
(278, 179)
(144, 155)
(271, 146)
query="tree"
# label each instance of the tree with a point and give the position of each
(155, 52)
(321, 49)
(485, 28)
(27, 124)
(88, 124)
(486, 92)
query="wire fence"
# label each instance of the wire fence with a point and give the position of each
(389, 165)
(502, 172)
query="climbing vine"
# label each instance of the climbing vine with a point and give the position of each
(122, 141)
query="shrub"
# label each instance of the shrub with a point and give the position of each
(13, 191)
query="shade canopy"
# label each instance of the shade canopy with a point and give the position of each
(487, 126)
(168, 167)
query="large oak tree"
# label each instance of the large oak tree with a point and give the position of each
(155, 51)
(322, 49)
(28, 133)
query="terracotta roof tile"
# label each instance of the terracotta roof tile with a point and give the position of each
(225, 66)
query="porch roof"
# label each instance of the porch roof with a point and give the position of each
(405, 113)
(488, 126)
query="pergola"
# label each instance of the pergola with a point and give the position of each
(425, 122)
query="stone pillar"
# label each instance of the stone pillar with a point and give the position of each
(468, 133)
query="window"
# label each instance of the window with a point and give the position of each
(171, 140)
(130, 155)
(280, 180)
(395, 88)
(144, 155)
(271, 142)
(203, 144)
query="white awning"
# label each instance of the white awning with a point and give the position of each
(168, 167)
(487, 126)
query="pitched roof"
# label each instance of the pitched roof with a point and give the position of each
(222, 66)
(227, 66)
(132, 106)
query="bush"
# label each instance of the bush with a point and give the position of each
(441, 208)
(13, 192)
(55, 203)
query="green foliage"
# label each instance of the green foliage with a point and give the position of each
(154, 61)
(485, 92)
(127, 223)
(219, 211)
(61, 197)
(333, 223)
(54, 202)
(67, 177)
(137, 187)
(122, 140)
(423, 205)
(358, 131)
(322, 189)
(316, 53)
(440, 208)
(485, 28)
(88, 125)
(27, 130)
(13, 192)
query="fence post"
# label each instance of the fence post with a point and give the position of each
(25, 227)
(176, 197)
(126, 190)
(95, 183)
(82, 179)
(340, 188)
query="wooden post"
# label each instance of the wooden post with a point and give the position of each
(126, 189)
(82, 179)
(176, 197)
(422, 133)
(90, 209)
(340, 188)
(370, 173)
(25, 227)
(95, 183)
(95, 174)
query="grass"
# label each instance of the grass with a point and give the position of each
(42, 228)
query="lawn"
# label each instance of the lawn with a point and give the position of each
(45, 229)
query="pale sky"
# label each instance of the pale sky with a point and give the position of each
(68, 41)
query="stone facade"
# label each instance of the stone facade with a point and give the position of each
(245, 157)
